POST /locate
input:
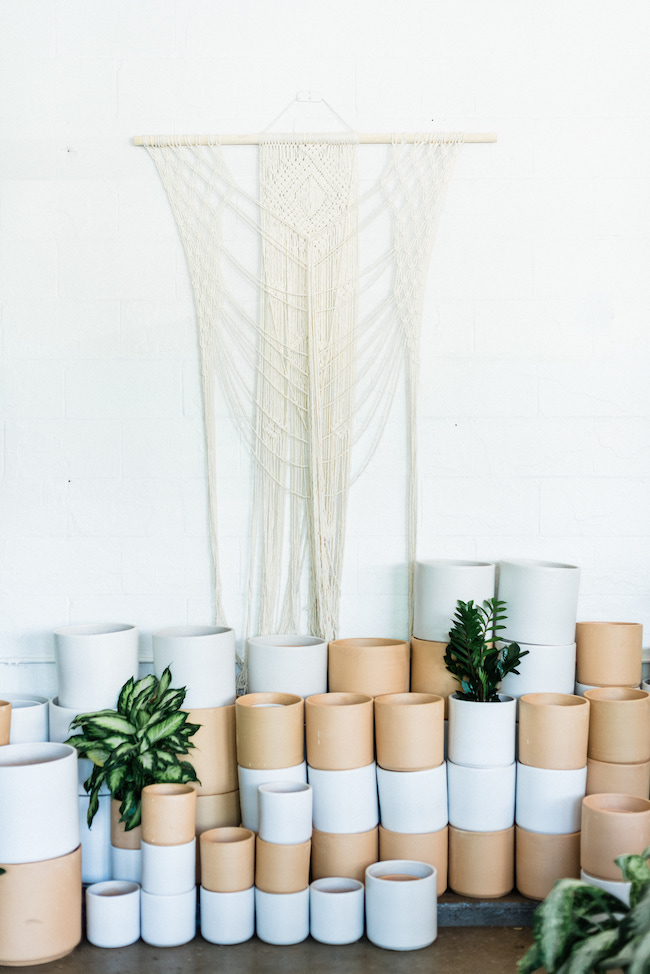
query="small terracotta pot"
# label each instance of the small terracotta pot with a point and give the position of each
(282, 868)
(270, 730)
(409, 731)
(612, 825)
(609, 654)
(428, 671)
(482, 864)
(619, 779)
(215, 811)
(543, 859)
(168, 814)
(5, 721)
(553, 730)
(40, 910)
(340, 731)
(372, 666)
(214, 755)
(619, 725)
(347, 855)
(431, 847)
(227, 859)
(119, 838)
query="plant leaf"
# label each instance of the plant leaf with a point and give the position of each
(586, 956)
(165, 728)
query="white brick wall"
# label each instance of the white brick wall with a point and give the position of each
(534, 434)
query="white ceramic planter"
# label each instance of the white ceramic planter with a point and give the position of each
(29, 718)
(60, 719)
(126, 864)
(227, 918)
(345, 801)
(282, 918)
(93, 663)
(413, 801)
(401, 904)
(287, 664)
(285, 810)
(39, 812)
(546, 669)
(168, 921)
(482, 735)
(168, 869)
(541, 601)
(95, 841)
(249, 781)
(113, 914)
(549, 801)
(336, 910)
(437, 587)
(581, 688)
(201, 658)
(481, 799)
(620, 890)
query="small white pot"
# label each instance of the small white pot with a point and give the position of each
(249, 781)
(336, 910)
(29, 718)
(60, 719)
(437, 587)
(113, 913)
(550, 801)
(581, 688)
(201, 658)
(345, 801)
(126, 864)
(482, 735)
(168, 921)
(95, 841)
(401, 904)
(282, 918)
(287, 664)
(481, 799)
(285, 810)
(39, 811)
(93, 663)
(168, 869)
(227, 918)
(413, 801)
(546, 669)
(621, 890)
(541, 601)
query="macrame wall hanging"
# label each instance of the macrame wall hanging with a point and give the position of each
(309, 305)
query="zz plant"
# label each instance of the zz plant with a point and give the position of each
(136, 745)
(473, 655)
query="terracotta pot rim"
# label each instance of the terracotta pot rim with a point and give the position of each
(594, 803)
(283, 699)
(95, 629)
(556, 700)
(367, 642)
(171, 790)
(227, 835)
(598, 622)
(408, 699)
(351, 699)
(616, 695)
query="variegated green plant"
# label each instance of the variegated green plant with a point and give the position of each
(136, 745)
(580, 928)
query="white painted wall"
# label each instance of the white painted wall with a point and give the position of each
(535, 396)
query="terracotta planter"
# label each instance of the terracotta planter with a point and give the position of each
(482, 735)
(549, 801)
(345, 801)
(413, 801)
(270, 730)
(227, 859)
(612, 825)
(168, 814)
(428, 671)
(5, 721)
(201, 658)
(249, 781)
(335, 854)
(437, 587)
(340, 731)
(119, 838)
(282, 868)
(287, 664)
(481, 799)
(29, 718)
(619, 725)
(553, 730)
(619, 779)
(409, 731)
(546, 669)
(482, 864)
(541, 599)
(371, 666)
(215, 811)
(40, 910)
(401, 904)
(93, 662)
(543, 859)
(431, 847)
(214, 755)
(609, 653)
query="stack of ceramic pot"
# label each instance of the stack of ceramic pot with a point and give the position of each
(270, 741)
(612, 825)
(481, 773)
(227, 885)
(341, 756)
(40, 891)
(282, 858)
(168, 898)
(93, 662)
(437, 587)
(541, 604)
(286, 664)
(551, 780)
(619, 741)
(412, 780)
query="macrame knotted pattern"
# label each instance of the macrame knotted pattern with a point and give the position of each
(309, 305)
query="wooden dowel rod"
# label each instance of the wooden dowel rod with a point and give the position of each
(371, 139)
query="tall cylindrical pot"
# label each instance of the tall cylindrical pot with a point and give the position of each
(609, 653)
(553, 730)
(93, 662)
(113, 913)
(540, 860)
(370, 666)
(340, 731)
(401, 904)
(437, 587)
(287, 664)
(612, 825)
(409, 731)
(482, 864)
(431, 847)
(201, 658)
(541, 599)
(270, 730)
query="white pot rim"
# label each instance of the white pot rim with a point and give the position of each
(191, 632)
(503, 698)
(94, 629)
(31, 754)
(287, 642)
(541, 565)
(455, 563)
